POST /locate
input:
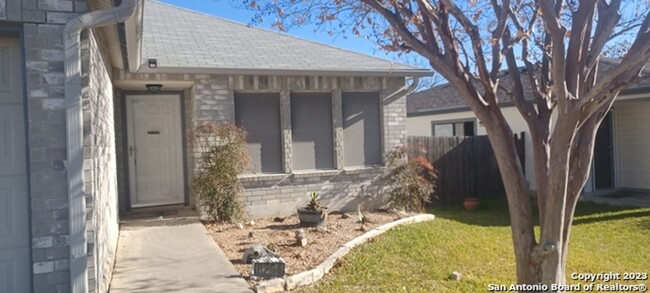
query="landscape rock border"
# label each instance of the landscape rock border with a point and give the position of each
(314, 275)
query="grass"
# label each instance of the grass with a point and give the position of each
(420, 257)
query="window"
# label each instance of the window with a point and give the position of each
(259, 115)
(459, 128)
(311, 131)
(361, 129)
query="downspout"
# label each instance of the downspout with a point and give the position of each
(410, 88)
(74, 129)
(406, 88)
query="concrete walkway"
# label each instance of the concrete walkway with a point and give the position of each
(172, 255)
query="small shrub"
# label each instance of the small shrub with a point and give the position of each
(411, 180)
(222, 155)
(314, 204)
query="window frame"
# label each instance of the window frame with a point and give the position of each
(452, 122)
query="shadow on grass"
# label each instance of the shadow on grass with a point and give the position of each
(495, 213)
(490, 213)
(645, 223)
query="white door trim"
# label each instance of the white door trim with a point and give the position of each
(132, 151)
(15, 238)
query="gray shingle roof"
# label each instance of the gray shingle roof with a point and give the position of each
(182, 39)
(444, 98)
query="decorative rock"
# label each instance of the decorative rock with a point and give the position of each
(300, 234)
(304, 278)
(251, 223)
(455, 276)
(256, 251)
(240, 225)
(250, 234)
(322, 229)
(301, 239)
(275, 285)
(278, 219)
(345, 216)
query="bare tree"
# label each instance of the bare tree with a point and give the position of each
(425, 82)
(549, 48)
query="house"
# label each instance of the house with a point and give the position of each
(97, 98)
(622, 149)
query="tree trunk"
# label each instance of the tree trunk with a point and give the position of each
(519, 203)
(543, 263)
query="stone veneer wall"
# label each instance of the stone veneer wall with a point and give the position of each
(42, 25)
(99, 161)
(211, 98)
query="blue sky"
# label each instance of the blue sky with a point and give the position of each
(223, 8)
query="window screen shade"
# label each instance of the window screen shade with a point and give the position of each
(454, 129)
(259, 115)
(361, 129)
(311, 130)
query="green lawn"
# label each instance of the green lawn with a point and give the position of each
(420, 257)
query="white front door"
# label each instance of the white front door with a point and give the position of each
(155, 150)
(14, 211)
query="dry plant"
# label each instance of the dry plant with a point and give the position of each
(222, 156)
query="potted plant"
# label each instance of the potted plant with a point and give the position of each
(314, 214)
(471, 203)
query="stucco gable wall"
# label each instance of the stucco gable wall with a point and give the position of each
(632, 145)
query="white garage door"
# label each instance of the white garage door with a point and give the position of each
(14, 230)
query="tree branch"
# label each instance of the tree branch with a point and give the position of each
(556, 32)
(614, 80)
(396, 22)
(502, 12)
(475, 38)
(608, 17)
(580, 36)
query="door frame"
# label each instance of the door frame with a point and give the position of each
(125, 198)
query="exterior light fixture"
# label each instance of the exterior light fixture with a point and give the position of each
(153, 63)
(154, 88)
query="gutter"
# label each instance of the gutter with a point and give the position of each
(74, 129)
(282, 72)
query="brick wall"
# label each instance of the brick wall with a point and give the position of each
(211, 98)
(99, 161)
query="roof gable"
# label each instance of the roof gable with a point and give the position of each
(183, 40)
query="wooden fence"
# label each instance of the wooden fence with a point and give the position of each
(466, 166)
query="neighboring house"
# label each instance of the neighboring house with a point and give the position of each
(85, 137)
(622, 150)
